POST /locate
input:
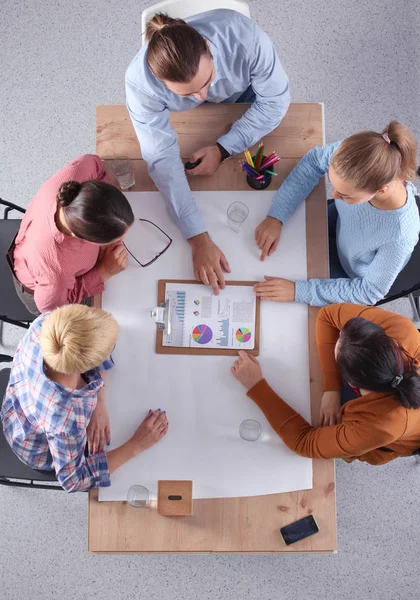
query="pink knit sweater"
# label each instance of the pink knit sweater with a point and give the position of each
(59, 268)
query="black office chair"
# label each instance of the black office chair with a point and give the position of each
(407, 283)
(11, 308)
(14, 472)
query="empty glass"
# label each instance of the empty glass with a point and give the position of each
(236, 215)
(124, 172)
(138, 496)
(250, 430)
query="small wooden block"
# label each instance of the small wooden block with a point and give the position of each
(175, 498)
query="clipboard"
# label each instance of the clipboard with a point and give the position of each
(161, 349)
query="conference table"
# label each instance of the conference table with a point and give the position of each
(246, 524)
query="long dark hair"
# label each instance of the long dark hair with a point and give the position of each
(95, 211)
(369, 359)
(175, 49)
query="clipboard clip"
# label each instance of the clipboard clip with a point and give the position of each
(162, 316)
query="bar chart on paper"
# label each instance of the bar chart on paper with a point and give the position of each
(199, 319)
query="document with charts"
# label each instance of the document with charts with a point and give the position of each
(199, 319)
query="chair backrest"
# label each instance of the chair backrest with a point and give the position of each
(408, 281)
(10, 305)
(181, 9)
(11, 467)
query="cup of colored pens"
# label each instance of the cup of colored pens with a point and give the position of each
(259, 168)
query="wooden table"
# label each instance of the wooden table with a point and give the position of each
(227, 524)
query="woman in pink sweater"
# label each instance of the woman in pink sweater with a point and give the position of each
(70, 239)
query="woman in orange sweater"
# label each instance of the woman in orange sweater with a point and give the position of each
(375, 352)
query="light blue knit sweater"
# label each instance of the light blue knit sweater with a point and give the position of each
(373, 245)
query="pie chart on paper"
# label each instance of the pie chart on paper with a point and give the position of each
(243, 335)
(202, 334)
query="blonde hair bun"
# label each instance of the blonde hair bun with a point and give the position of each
(76, 338)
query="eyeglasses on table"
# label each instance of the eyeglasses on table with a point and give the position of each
(150, 262)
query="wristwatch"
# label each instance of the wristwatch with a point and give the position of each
(225, 154)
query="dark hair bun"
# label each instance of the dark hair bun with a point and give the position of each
(68, 192)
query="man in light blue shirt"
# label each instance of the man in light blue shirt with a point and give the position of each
(219, 56)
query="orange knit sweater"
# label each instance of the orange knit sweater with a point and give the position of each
(375, 428)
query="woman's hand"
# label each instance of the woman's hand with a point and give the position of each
(267, 236)
(151, 431)
(247, 370)
(329, 413)
(98, 430)
(114, 260)
(276, 289)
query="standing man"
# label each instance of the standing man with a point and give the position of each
(216, 56)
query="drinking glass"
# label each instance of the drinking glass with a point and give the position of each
(138, 496)
(250, 430)
(236, 215)
(124, 172)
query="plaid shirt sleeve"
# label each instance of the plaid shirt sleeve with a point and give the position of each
(74, 471)
(106, 365)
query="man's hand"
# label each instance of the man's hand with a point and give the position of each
(208, 262)
(267, 236)
(114, 260)
(247, 370)
(329, 413)
(276, 289)
(210, 161)
(98, 430)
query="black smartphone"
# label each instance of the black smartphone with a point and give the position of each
(189, 165)
(299, 530)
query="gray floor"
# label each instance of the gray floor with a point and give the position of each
(58, 61)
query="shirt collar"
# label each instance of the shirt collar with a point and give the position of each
(218, 64)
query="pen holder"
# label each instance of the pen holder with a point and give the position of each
(259, 184)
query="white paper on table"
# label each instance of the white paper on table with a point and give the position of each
(204, 403)
(199, 319)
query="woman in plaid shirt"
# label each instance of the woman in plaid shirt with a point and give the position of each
(54, 402)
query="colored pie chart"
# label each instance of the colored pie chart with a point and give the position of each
(243, 335)
(202, 334)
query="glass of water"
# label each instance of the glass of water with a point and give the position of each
(124, 172)
(250, 430)
(138, 496)
(236, 215)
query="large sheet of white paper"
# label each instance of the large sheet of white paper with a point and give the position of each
(204, 403)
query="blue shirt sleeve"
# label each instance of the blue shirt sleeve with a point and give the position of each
(301, 181)
(271, 87)
(160, 149)
(369, 289)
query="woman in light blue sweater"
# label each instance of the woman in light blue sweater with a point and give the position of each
(373, 223)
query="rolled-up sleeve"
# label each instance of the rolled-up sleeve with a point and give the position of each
(50, 292)
(74, 470)
(271, 87)
(160, 149)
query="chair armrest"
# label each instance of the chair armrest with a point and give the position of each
(10, 206)
(6, 358)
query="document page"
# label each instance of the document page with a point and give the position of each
(201, 320)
